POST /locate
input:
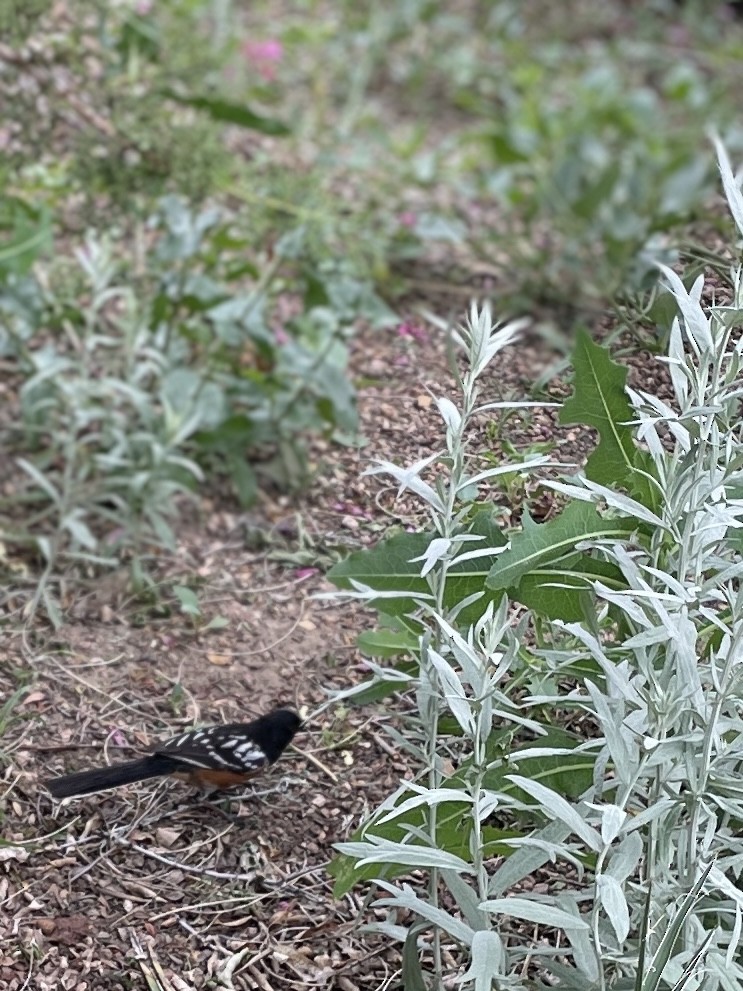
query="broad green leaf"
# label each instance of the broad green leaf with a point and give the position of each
(387, 567)
(243, 478)
(188, 393)
(25, 233)
(386, 643)
(600, 401)
(390, 566)
(236, 433)
(231, 113)
(570, 776)
(540, 545)
(545, 593)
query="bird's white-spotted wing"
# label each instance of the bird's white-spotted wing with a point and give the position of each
(219, 747)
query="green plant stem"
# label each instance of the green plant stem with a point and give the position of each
(446, 525)
(300, 386)
(478, 858)
(434, 781)
(55, 543)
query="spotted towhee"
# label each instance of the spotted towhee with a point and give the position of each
(214, 758)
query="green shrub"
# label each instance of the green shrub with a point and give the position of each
(139, 382)
(625, 813)
(592, 171)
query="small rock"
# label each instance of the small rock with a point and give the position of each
(221, 660)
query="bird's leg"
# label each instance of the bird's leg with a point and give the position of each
(204, 797)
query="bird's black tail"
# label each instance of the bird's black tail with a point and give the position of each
(102, 778)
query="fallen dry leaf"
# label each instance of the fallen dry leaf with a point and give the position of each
(13, 853)
(167, 837)
(34, 697)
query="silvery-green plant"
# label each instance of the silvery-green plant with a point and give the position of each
(650, 850)
(668, 697)
(116, 465)
(462, 674)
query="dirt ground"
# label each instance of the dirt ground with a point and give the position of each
(149, 886)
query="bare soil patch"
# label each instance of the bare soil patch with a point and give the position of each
(149, 879)
(107, 891)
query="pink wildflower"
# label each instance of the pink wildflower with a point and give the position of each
(412, 330)
(303, 573)
(264, 55)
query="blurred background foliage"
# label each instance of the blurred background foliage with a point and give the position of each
(203, 200)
